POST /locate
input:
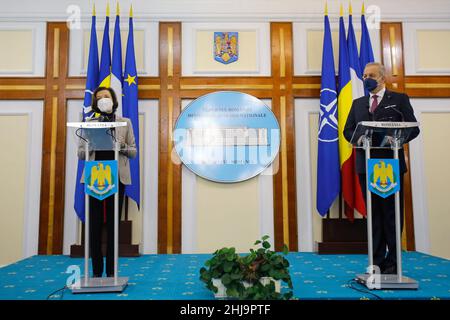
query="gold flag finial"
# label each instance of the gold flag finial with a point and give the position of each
(117, 9)
(107, 9)
(350, 11)
(131, 11)
(341, 12)
(93, 10)
(363, 10)
(326, 8)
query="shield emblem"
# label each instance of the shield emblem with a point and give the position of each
(226, 47)
(384, 176)
(101, 178)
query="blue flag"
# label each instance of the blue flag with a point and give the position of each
(365, 48)
(105, 60)
(328, 168)
(116, 68)
(92, 81)
(130, 110)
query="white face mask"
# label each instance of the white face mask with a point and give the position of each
(105, 105)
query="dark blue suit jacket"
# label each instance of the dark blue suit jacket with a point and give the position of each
(393, 107)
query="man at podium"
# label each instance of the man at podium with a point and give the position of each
(381, 105)
(104, 106)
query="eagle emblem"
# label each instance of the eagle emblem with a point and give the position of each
(384, 176)
(101, 179)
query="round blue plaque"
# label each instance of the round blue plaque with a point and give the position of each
(227, 136)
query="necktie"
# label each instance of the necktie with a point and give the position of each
(374, 104)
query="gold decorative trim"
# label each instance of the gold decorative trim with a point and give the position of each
(74, 87)
(170, 52)
(170, 179)
(149, 87)
(404, 238)
(56, 53)
(393, 51)
(55, 87)
(427, 85)
(282, 86)
(284, 175)
(306, 86)
(8, 87)
(169, 87)
(282, 55)
(226, 86)
(51, 194)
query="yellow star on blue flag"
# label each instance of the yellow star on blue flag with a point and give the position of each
(130, 80)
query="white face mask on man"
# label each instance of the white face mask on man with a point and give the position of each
(105, 105)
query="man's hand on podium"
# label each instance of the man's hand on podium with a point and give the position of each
(388, 140)
(360, 140)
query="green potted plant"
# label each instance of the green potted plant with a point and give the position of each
(257, 275)
(223, 274)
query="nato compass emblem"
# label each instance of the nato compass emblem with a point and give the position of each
(328, 124)
(226, 47)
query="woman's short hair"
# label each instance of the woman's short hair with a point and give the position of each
(113, 96)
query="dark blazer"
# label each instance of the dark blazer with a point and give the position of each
(393, 107)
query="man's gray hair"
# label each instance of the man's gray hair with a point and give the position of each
(380, 66)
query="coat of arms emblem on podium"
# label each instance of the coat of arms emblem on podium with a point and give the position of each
(226, 47)
(101, 181)
(384, 176)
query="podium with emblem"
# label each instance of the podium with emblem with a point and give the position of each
(101, 181)
(382, 178)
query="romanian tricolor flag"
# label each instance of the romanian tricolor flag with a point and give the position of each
(351, 190)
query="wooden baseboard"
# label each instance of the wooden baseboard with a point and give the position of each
(342, 247)
(125, 250)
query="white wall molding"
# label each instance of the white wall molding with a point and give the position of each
(303, 109)
(34, 110)
(189, 211)
(411, 49)
(227, 18)
(151, 45)
(300, 43)
(265, 194)
(38, 30)
(418, 174)
(238, 10)
(189, 41)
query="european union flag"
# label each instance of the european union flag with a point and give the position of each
(131, 111)
(92, 80)
(328, 168)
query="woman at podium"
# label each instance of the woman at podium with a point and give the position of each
(104, 106)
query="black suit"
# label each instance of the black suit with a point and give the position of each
(393, 107)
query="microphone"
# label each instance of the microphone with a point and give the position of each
(398, 111)
(104, 118)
